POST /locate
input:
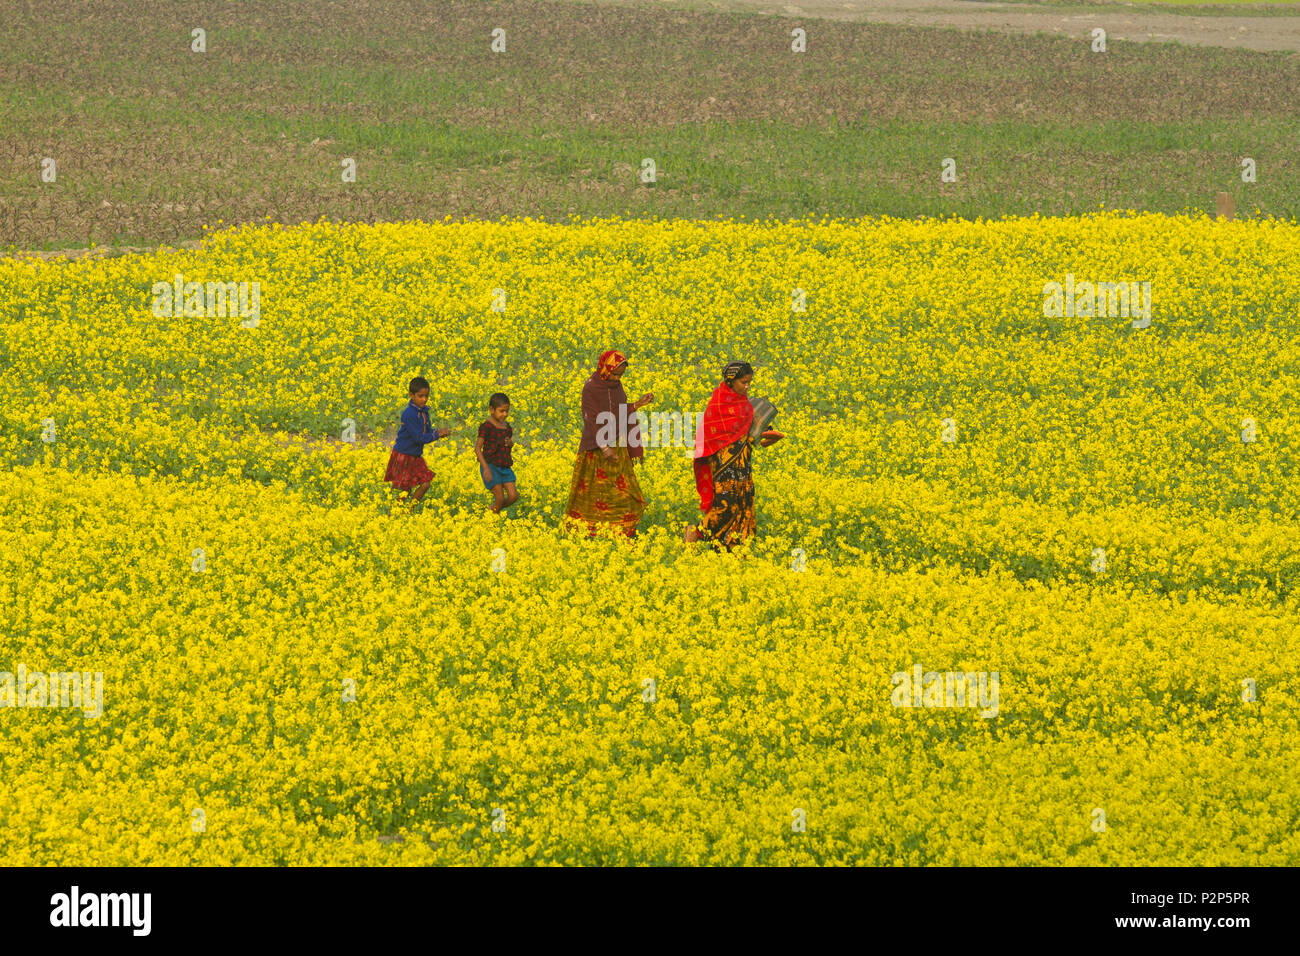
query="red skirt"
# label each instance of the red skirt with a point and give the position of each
(406, 471)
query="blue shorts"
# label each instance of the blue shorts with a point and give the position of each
(500, 476)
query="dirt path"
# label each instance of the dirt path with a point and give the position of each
(1142, 24)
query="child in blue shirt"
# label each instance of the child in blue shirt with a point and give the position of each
(406, 468)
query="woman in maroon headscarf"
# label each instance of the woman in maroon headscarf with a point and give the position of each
(604, 489)
(723, 473)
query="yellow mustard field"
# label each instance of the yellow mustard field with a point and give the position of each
(1095, 513)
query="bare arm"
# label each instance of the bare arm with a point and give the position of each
(482, 462)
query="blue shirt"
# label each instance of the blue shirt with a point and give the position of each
(415, 433)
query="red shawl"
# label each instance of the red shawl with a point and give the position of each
(726, 419)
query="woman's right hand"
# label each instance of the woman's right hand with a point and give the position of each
(610, 453)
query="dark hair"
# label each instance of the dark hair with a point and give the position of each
(498, 399)
(735, 370)
(417, 384)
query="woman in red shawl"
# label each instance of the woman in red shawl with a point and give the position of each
(723, 473)
(604, 489)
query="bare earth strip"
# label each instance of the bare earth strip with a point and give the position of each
(1141, 25)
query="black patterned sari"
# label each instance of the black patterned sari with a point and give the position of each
(730, 518)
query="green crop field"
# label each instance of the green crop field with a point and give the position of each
(153, 142)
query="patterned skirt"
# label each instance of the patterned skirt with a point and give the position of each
(406, 471)
(730, 516)
(605, 492)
